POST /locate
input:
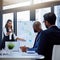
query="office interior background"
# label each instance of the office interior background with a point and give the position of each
(26, 11)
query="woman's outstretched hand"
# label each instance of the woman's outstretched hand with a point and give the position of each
(21, 39)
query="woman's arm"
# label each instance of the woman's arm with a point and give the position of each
(21, 39)
(17, 38)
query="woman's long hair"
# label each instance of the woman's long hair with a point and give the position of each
(6, 26)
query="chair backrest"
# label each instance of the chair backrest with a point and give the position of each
(56, 52)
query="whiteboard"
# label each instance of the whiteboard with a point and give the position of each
(25, 30)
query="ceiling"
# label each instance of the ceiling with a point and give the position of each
(9, 2)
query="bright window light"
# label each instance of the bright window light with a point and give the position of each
(40, 1)
(39, 15)
(57, 12)
(23, 16)
(6, 17)
(17, 5)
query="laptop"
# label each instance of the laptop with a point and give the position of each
(15, 43)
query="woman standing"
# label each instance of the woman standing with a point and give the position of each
(9, 34)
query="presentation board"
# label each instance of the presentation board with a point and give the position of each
(25, 30)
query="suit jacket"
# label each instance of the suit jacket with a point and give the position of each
(35, 46)
(48, 39)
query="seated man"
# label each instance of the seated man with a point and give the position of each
(49, 37)
(37, 29)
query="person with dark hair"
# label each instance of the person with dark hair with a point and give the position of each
(49, 37)
(8, 33)
(37, 29)
(50, 18)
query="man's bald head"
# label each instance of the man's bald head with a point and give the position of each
(37, 26)
(37, 23)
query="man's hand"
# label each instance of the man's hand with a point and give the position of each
(23, 48)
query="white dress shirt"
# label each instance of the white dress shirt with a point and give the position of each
(5, 33)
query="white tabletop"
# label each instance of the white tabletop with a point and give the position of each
(21, 55)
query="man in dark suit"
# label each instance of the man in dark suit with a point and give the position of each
(37, 29)
(49, 37)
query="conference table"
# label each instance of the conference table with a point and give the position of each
(18, 55)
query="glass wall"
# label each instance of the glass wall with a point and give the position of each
(23, 16)
(6, 17)
(39, 15)
(57, 12)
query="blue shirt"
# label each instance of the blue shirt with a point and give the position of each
(36, 43)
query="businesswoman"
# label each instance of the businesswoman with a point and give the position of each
(8, 34)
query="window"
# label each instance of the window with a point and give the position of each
(57, 12)
(6, 17)
(40, 1)
(23, 16)
(39, 15)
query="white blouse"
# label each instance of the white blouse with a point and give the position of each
(5, 32)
